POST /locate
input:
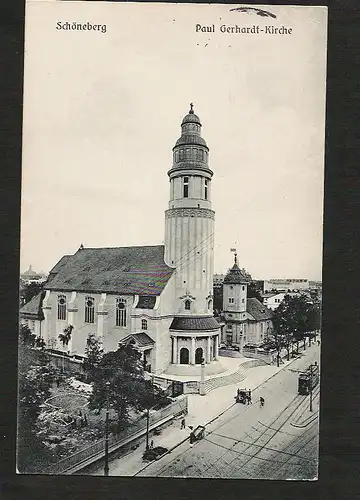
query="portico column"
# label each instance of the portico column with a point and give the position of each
(208, 351)
(216, 347)
(175, 347)
(192, 358)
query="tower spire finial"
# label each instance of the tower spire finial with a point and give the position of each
(235, 255)
(191, 108)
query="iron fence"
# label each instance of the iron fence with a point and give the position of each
(174, 409)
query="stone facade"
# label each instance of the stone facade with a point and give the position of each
(120, 292)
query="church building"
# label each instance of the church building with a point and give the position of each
(247, 320)
(160, 296)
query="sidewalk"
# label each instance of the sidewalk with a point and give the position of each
(201, 411)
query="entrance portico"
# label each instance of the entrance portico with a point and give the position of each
(189, 348)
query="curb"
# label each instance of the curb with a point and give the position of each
(220, 414)
(308, 421)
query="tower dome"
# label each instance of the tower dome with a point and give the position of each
(190, 150)
(191, 117)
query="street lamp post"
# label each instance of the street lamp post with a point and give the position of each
(202, 378)
(106, 466)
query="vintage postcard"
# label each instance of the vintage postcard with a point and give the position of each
(171, 240)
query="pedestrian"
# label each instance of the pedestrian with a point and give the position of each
(183, 423)
(152, 444)
(318, 342)
(262, 402)
(85, 420)
(249, 402)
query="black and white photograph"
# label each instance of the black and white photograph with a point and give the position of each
(171, 240)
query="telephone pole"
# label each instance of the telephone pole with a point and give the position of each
(311, 392)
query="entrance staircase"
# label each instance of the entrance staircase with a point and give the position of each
(233, 378)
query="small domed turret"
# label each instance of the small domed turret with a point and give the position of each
(191, 117)
(190, 150)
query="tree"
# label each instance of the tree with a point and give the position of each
(218, 298)
(290, 319)
(253, 291)
(35, 379)
(26, 336)
(94, 354)
(65, 338)
(127, 389)
(314, 317)
(274, 340)
(28, 291)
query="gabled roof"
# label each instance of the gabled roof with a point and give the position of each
(33, 309)
(125, 270)
(62, 262)
(141, 339)
(258, 310)
(191, 323)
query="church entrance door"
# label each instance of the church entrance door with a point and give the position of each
(184, 356)
(198, 355)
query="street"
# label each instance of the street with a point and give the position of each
(277, 441)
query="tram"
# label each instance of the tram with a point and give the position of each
(308, 379)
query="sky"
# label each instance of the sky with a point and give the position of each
(102, 112)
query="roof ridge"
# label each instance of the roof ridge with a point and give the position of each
(111, 248)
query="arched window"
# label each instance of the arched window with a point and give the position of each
(187, 304)
(181, 153)
(210, 304)
(176, 155)
(184, 356)
(89, 310)
(120, 312)
(188, 153)
(144, 324)
(201, 154)
(206, 189)
(61, 307)
(198, 356)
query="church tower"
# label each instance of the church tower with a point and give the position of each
(189, 226)
(235, 305)
(189, 247)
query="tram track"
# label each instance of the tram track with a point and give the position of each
(277, 469)
(282, 419)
